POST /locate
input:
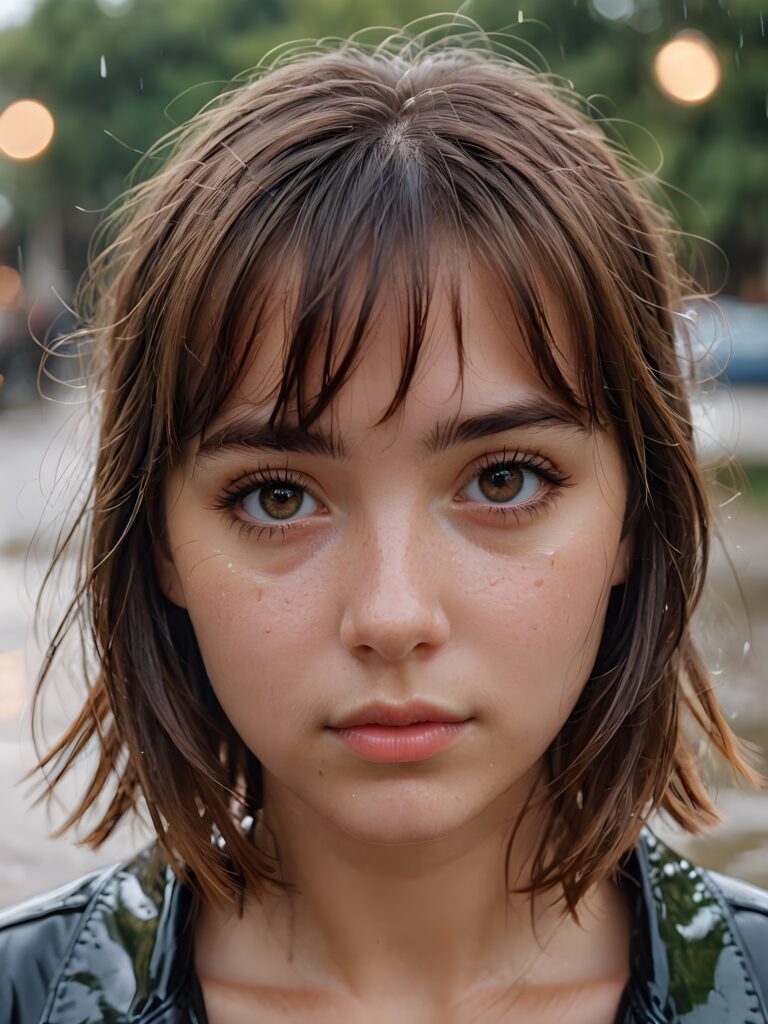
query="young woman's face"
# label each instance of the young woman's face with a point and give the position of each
(454, 578)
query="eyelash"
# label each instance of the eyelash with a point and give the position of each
(243, 485)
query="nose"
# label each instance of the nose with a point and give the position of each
(392, 604)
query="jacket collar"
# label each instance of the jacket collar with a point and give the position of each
(132, 958)
(685, 961)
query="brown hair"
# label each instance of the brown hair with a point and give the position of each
(350, 155)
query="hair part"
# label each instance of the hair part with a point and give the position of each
(350, 161)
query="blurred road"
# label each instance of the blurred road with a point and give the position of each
(41, 449)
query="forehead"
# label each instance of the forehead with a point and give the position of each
(474, 351)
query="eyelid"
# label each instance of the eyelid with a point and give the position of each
(519, 457)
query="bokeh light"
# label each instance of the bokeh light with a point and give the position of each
(26, 128)
(614, 10)
(10, 286)
(687, 68)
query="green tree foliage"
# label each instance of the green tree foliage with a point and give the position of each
(165, 58)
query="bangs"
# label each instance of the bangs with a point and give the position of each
(354, 227)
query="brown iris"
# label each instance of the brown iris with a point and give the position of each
(281, 502)
(506, 483)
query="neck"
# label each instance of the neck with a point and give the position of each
(430, 920)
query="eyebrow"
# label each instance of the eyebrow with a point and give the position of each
(253, 431)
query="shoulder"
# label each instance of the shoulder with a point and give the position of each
(112, 945)
(34, 938)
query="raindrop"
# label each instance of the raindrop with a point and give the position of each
(562, 50)
(103, 66)
(747, 647)
(519, 17)
(762, 24)
(141, 84)
(741, 40)
(737, 60)
(685, 10)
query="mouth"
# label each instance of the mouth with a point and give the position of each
(399, 715)
(397, 733)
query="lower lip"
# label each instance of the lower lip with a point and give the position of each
(400, 743)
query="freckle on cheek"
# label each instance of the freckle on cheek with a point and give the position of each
(538, 583)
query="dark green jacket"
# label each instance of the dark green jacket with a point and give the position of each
(116, 946)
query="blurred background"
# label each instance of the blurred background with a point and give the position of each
(86, 86)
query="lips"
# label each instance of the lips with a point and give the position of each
(410, 713)
(415, 731)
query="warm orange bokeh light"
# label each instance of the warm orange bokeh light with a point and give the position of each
(26, 128)
(687, 68)
(10, 286)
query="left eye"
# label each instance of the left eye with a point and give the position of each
(504, 483)
(280, 501)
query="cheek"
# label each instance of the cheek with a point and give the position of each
(257, 635)
(541, 618)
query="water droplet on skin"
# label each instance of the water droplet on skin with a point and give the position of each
(103, 66)
(490, 766)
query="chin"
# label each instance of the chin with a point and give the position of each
(401, 815)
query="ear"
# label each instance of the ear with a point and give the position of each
(167, 575)
(623, 561)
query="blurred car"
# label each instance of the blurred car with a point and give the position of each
(730, 340)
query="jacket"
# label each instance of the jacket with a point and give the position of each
(116, 946)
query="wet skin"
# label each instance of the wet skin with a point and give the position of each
(398, 578)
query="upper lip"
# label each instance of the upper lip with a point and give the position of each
(410, 713)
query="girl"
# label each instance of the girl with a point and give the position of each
(395, 535)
